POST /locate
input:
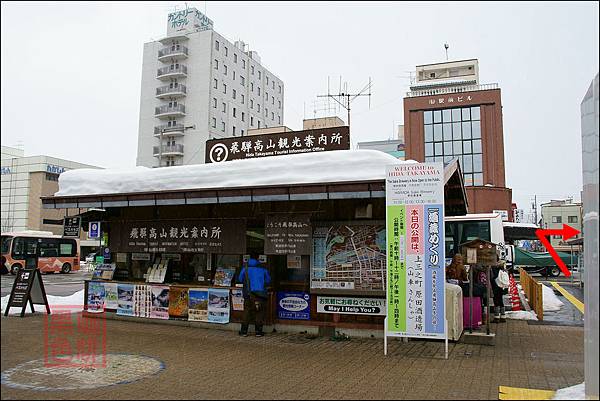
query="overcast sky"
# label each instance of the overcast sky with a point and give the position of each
(71, 72)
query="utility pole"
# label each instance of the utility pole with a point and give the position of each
(446, 46)
(344, 98)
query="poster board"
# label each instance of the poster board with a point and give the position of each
(415, 290)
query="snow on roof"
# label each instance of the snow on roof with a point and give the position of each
(306, 168)
(524, 225)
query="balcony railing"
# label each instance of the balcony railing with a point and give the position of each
(450, 90)
(166, 129)
(166, 109)
(172, 51)
(172, 70)
(165, 90)
(169, 149)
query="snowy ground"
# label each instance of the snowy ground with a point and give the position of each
(75, 301)
(551, 301)
(576, 392)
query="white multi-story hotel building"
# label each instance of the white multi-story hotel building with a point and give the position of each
(196, 85)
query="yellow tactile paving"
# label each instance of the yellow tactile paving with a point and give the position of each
(578, 304)
(516, 393)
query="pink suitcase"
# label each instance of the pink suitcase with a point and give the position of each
(475, 303)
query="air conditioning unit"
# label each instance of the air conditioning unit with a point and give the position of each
(364, 212)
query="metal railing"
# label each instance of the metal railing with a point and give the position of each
(450, 90)
(180, 108)
(165, 129)
(163, 90)
(171, 69)
(167, 51)
(177, 148)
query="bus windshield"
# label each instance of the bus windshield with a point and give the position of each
(6, 241)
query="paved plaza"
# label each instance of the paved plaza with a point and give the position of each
(158, 361)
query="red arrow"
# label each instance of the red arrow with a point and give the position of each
(566, 232)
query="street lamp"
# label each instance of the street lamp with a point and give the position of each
(160, 144)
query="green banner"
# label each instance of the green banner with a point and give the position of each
(396, 268)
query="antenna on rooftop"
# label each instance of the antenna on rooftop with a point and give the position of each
(446, 46)
(344, 98)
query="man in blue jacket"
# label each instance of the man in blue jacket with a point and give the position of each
(255, 278)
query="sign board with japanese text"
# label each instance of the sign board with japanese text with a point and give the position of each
(415, 245)
(94, 230)
(293, 305)
(279, 144)
(226, 236)
(288, 234)
(28, 287)
(351, 306)
(71, 226)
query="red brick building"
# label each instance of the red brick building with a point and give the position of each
(454, 118)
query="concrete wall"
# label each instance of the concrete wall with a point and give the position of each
(564, 211)
(590, 153)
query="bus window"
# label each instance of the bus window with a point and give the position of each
(67, 248)
(23, 246)
(459, 232)
(48, 248)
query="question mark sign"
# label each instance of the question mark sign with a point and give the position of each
(219, 153)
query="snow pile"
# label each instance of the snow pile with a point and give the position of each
(521, 315)
(576, 392)
(551, 301)
(75, 301)
(306, 168)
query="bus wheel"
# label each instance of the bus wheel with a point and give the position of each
(66, 268)
(14, 269)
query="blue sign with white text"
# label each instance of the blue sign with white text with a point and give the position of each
(293, 305)
(94, 231)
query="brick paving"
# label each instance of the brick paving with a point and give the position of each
(214, 364)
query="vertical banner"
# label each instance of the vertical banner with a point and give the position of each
(415, 245)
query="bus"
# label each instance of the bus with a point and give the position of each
(486, 226)
(54, 253)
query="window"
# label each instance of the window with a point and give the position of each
(272, 99)
(279, 120)
(272, 116)
(251, 86)
(557, 219)
(244, 64)
(242, 81)
(234, 111)
(455, 133)
(279, 88)
(259, 91)
(216, 45)
(267, 79)
(572, 219)
(242, 132)
(224, 88)
(243, 116)
(233, 130)
(273, 84)
(226, 51)
(216, 84)
(259, 124)
(258, 107)
(280, 104)
(252, 121)
(216, 64)
(243, 98)
(252, 70)
(214, 102)
(214, 122)
(235, 58)
(222, 126)
(266, 112)
(224, 69)
(52, 177)
(251, 103)
(66, 247)
(233, 94)
(234, 75)
(266, 96)
(224, 107)
(259, 75)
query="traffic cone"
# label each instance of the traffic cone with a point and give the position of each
(514, 294)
